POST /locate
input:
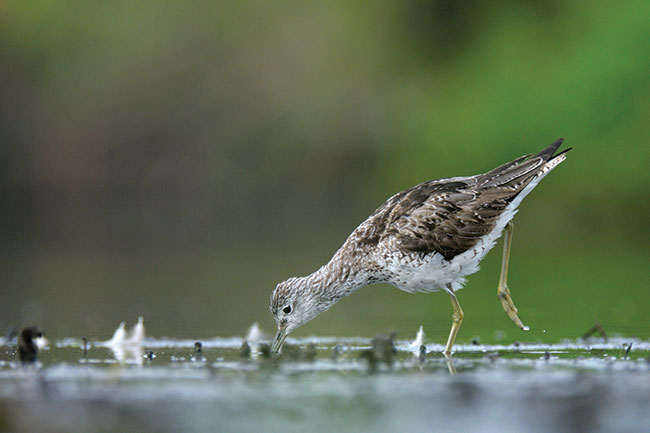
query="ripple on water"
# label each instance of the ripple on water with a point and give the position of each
(571, 386)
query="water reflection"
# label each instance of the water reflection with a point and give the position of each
(501, 400)
(127, 347)
(450, 364)
(599, 387)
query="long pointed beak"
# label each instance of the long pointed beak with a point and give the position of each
(278, 341)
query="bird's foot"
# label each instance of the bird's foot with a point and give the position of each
(509, 307)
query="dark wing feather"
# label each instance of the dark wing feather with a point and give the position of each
(449, 222)
(449, 216)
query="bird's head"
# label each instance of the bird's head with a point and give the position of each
(294, 302)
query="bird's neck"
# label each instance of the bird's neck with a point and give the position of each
(339, 278)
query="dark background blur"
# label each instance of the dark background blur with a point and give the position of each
(176, 160)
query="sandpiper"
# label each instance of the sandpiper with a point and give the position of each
(423, 239)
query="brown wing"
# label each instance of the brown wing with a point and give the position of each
(449, 216)
(449, 222)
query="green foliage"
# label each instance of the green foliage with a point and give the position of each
(524, 79)
(258, 134)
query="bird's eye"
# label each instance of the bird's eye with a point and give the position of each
(287, 309)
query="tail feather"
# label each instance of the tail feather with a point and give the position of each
(547, 154)
(513, 173)
(523, 169)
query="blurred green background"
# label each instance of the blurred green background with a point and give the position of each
(176, 160)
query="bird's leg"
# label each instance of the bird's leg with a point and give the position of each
(456, 317)
(450, 364)
(502, 290)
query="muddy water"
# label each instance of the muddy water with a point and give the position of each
(329, 384)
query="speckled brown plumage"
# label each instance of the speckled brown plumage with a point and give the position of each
(448, 216)
(426, 238)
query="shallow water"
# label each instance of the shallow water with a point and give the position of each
(575, 386)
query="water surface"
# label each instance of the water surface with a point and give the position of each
(330, 384)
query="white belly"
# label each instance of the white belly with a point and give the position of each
(413, 273)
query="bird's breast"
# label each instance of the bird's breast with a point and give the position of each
(413, 272)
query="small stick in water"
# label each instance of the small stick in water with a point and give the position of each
(27, 348)
(371, 358)
(627, 348)
(265, 350)
(597, 328)
(198, 352)
(422, 353)
(384, 348)
(245, 350)
(310, 352)
(336, 352)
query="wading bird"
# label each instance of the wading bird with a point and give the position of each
(423, 239)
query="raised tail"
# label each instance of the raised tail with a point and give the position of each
(548, 153)
(518, 173)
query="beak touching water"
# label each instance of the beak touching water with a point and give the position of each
(278, 341)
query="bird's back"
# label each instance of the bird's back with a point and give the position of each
(445, 218)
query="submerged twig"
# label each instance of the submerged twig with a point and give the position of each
(27, 346)
(627, 347)
(336, 351)
(383, 350)
(422, 353)
(371, 359)
(245, 350)
(265, 350)
(198, 352)
(597, 328)
(310, 352)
